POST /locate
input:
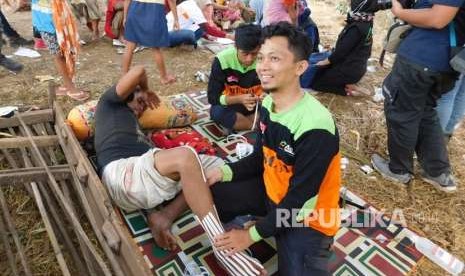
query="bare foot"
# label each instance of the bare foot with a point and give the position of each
(356, 91)
(160, 226)
(169, 79)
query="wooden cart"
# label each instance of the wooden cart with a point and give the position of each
(44, 155)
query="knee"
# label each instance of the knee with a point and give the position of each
(185, 156)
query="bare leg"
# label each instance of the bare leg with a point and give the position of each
(127, 57)
(243, 122)
(160, 61)
(183, 162)
(72, 91)
(160, 222)
(60, 64)
(95, 30)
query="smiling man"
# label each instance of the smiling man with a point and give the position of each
(292, 180)
(234, 88)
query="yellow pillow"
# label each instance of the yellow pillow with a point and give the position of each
(172, 112)
(82, 120)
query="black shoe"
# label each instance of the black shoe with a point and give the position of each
(10, 64)
(16, 42)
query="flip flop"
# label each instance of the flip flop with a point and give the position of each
(80, 96)
(61, 91)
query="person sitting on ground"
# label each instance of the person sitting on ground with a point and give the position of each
(211, 30)
(347, 63)
(292, 179)
(140, 176)
(13, 37)
(234, 88)
(191, 24)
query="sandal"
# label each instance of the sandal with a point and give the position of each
(79, 96)
(61, 91)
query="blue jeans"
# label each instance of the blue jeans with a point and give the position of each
(184, 36)
(306, 79)
(223, 115)
(451, 107)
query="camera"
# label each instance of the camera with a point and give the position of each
(387, 4)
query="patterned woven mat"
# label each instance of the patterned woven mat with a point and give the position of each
(374, 250)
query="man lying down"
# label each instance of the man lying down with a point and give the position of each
(140, 176)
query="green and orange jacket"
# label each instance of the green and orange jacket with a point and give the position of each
(297, 152)
(229, 78)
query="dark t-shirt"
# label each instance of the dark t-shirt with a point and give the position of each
(431, 47)
(117, 132)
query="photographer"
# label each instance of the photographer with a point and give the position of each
(421, 73)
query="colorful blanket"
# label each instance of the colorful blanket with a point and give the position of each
(381, 249)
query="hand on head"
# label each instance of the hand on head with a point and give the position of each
(152, 100)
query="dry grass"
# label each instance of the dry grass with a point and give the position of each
(438, 216)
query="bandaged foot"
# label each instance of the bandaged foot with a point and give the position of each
(238, 264)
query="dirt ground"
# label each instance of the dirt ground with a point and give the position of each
(436, 215)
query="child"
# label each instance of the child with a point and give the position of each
(43, 21)
(146, 25)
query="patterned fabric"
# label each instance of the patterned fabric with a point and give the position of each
(51, 42)
(82, 120)
(67, 34)
(374, 250)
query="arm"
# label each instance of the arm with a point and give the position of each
(172, 4)
(345, 45)
(436, 17)
(128, 83)
(216, 86)
(215, 83)
(315, 150)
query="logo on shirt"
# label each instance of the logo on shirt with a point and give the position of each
(283, 145)
(232, 78)
(262, 127)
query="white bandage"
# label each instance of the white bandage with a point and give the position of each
(239, 264)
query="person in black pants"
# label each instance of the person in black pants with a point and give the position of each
(14, 38)
(347, 64)
(421, 73)
(5, 62)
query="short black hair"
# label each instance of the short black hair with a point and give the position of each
(298, 41)
(247, 37)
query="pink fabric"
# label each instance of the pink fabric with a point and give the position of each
(276, 12)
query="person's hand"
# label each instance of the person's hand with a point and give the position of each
(176, 25)
(249, 101)
(214, 175)
(324, 62)
(233, 241)
(152, 101)
(396, 8)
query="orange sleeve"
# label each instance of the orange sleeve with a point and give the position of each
(289, 3)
